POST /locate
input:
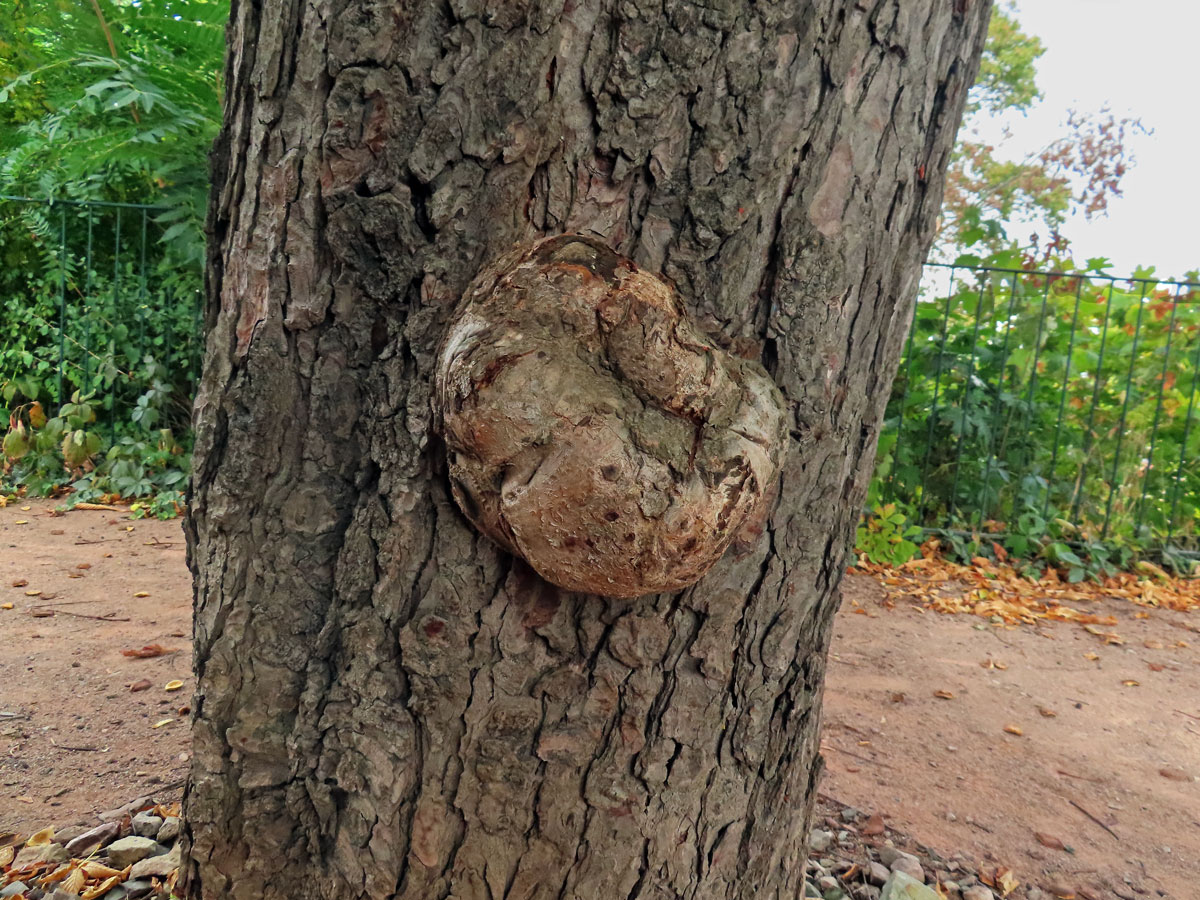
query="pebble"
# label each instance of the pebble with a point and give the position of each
(878, 873)
(115, 815)
(169, 830)
(902, 887)
(146, 825)
(17, 887)
(827, 883)
(850, 814)
(158, 866)
(99, 836)
(810, 890)
(42, 853)
(909, 866)
(68, 833)
(979, 892)
(819, 841)
(132, 849)
(888, 855)
(136, 887)
(865, 892)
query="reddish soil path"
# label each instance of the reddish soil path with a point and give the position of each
(942, 770)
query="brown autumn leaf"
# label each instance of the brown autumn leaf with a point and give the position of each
(99, 870)
(75, 882)
(1152, 645)
(873, 825)
(1155, 667)
(147, 652)
(1049, 840)
(897, 697)
(6, 855)
(1174, 774)
(6, 606)
(1014, 729)
(1092, 656)
(40, 838)
(943, 695)
(142, 594)
(1129, 682)
(1085, 894)
(101, 889)
(144, 685)
(1006, 882)
(57, 875)
(1047, 712)
(1062, 891)
(20, 582)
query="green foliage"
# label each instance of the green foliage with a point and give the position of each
(1058, 414)
(885, 537)
(113, 100)
(1008, 69)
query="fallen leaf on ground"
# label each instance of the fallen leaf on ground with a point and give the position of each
(21, 522)
(40, 838)
(32, 593)
(943, 695)
(142, 594)
(873, 825)
(897, 697)
(1174, 774)
(1152, 645)
(173, 685)
(1062, 891)
(6, 606)
(1049, 840)
(1092, 656)
(161, 723)
(83, 566)
(148, 652)
(6, 855)
(99, 870)
(144, 685)
(1014, 729)
(1006, 882)
(101, 889)
(20, 582)
(1129, 682)
(1047, 712)
(1155, 667)
(75, 882)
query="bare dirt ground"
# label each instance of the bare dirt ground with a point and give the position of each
(1111, 774)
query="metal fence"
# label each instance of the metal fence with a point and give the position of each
(92, 301)
(1026, 398)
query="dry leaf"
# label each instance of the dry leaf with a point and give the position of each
(943, 695)
(873, 825)
(21, 522)
(1049, 840)
(32, 593)
(57, 875)
(1006, 882)
(1092, 656)
(144, 685)
(99, 870)
(160, 724)
(1174, 774)
(6, 606)
(1014, 729)
(1047, 712)
(84, 566)
(897, 697)
(75, 882)
(1155, 667)
(40, 838)
(1062, 891)
(173, 685)
(20, 582)
(1152, 645)
(1085, 894)
(148, 652)
(101, 889)
(1129, 682)
(6, 855)
(142, 594)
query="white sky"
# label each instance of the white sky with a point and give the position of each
(1140, 59)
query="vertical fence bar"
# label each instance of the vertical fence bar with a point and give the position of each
(1162, 382)
(937, 382)
(1091, 422)
(87, 307)
(1187, 428)
(987, 469)
(112, 388)
(1112, 481)
(962, 422)
(62, 299)
(142, 293)
(891, 485)
(1033, 370)
(1062, 403)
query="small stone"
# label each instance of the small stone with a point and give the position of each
(827, 883)
(850, 814)
(169, 830)
(1035, 894)
(146, 825)
(100, 836)
(137, 887)
(42, 853)
(902, 887)
(132, 849)
(115, 815)
(951, 885)
(865, 892)
(68, 833)
(979, 892)
(888, 855)
(810, 890)
(17, 887)
(158, 866)
(819, 841)
(877, 873)
(909, 866)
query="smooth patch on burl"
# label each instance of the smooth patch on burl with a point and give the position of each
(593, 430)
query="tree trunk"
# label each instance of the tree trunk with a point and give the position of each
(387, 704)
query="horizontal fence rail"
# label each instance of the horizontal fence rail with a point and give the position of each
(88, 300)
(1030, 397)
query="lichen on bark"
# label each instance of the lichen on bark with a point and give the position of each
(593, 430)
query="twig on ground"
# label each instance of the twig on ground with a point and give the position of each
(1116, 837)
(1080, 777)
(96, 541)
(865, 759)
(1189, 715)
(65, 612)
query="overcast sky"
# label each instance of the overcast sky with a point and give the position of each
(1140, 59)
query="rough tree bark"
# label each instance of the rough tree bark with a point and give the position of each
(388, 705)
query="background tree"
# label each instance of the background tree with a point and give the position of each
(387, 704)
